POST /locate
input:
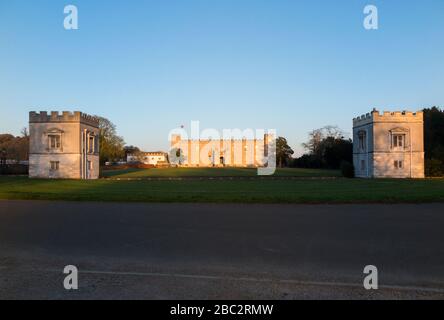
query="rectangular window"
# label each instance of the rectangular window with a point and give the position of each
(398, 141)
(54, 141)
(362, 144)
(398, 164)
(91, 145)
(90, 166)
(362, 165)
(54, 165)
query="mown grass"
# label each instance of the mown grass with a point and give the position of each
(317, 190)
(214, 172)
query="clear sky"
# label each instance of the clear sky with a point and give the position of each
(151, 66)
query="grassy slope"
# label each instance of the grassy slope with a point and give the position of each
(263, 191)
(215, 172)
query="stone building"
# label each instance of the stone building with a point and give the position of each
(149, 158)
(220, 152)
(63, 146)
(389, 145)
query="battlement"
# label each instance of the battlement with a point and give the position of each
(65, 116)
(175, 138)
(389, 116)
(210, 140)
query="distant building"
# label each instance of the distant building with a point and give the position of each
(149, 158)
(63, 146)
(221, 153)
(389, 145)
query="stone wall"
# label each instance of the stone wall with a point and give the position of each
(70, 157)
(380, 154)
(69, 166)
(235, 153)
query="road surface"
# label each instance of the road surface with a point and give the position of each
(220, 251)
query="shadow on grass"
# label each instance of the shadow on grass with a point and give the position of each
(235, 191)
(214, 172)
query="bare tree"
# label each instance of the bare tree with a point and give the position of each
(317, 136)
(25, 132)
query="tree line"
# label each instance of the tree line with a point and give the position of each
(434, 142)
(14, 148)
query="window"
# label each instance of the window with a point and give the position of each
(362, 140)
(54, 165)
(90, 166)
(54, 141)
(398, 141)
(398, 164)
(91, 144)
(362, 165)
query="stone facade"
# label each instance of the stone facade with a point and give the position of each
(389, 145)
(149, 158)
(63, 146)
(222, 153)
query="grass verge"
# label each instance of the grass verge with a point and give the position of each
(315, 190)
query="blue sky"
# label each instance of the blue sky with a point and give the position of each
(151, 66)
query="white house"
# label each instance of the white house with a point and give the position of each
(149, 158)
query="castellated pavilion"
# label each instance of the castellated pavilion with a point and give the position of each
(389, 145)
(63, 146)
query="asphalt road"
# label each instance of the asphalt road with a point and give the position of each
(220, 251)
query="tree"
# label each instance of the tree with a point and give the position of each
(316, 137)
(14, 148)
(131, 150)
(434, 141)
(24, 132)
(111, 145)
(327, 148)
(314, 141)
(283, 152)
(136, 154)
(335, 151)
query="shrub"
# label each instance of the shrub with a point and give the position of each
(14, 169)
(347, 169)
(434, 168)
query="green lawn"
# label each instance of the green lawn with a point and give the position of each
(317, 190)
(214, 172)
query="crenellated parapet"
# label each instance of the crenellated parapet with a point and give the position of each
(65, 116)
(177, 138)
(389, 144)
(388, 116)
